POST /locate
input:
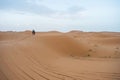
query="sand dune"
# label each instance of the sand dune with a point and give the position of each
(59, 56)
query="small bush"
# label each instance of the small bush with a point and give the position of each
(90, 50)
(88, 55)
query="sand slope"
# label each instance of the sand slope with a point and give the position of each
(59, 56)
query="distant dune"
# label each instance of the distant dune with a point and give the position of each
(53, 55)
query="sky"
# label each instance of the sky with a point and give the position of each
(60, 15)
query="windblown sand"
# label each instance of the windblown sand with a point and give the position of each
(60, 56)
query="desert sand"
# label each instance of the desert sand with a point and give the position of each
(53, 55)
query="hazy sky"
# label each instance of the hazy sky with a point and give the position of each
(62, 15)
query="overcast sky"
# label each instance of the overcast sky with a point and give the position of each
(61, 15)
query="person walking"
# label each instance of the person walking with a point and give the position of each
(33, 32)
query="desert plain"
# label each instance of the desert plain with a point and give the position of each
(53, 55)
